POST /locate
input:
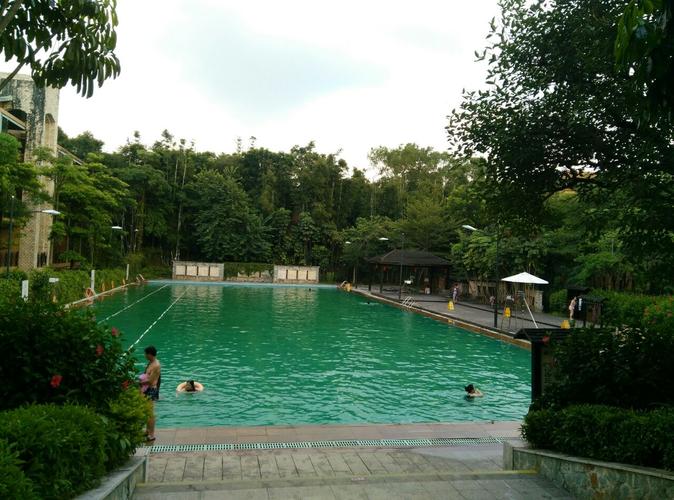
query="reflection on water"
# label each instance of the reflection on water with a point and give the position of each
(297, 355)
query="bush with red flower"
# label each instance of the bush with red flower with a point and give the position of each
(53, 356)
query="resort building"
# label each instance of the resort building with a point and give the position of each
(29, 113)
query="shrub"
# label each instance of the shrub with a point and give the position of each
(625, 308)
(62, 447)
(13, 482)
(59, 356)
(126, 416)
(232, 269)
(630, 368)
(558, 303)
(605, 433)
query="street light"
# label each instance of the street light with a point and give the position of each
(383, 238)
(402, 252)
(116, 228)
(474, 229)
(48, 211)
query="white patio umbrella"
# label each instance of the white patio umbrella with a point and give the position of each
(526, 279)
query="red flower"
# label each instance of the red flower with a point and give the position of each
(546, 339)
(114, 332)
(99, 350)
(56, 381)
(125, 384)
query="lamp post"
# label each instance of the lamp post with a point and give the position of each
(496, 276)
(353, 280)
(9, 237)
(48, 211)
(402, 252)
(121, 236)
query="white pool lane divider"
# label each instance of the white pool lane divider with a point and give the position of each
(156, 321)
(131, 305)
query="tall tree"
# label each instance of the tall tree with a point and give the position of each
(556, 116)
(69, 41)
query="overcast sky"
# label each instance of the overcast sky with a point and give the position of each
(349, 75)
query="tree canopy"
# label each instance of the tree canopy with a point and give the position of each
(69, 41)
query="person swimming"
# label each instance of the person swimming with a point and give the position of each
(190, 386)
(472, 391)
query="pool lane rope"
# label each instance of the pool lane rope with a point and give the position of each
(156, 321)
(131, 305)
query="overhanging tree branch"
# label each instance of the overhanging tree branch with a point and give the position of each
(9, 15)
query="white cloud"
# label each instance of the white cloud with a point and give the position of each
(403, 64)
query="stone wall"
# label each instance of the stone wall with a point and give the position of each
(296, 274)
(592, 479)
(198, 271)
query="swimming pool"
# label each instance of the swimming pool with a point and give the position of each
(298, 355)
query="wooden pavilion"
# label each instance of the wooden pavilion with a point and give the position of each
(420, 267)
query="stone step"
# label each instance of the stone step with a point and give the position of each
(477, 484)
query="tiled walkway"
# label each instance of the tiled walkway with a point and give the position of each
(448, 472)
(478, 314)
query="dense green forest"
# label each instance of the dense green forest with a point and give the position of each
(552, 158)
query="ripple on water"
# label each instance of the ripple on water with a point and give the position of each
(297, 356)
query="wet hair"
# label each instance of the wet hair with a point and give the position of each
(189, 386)
(151, 350)
(469, 388)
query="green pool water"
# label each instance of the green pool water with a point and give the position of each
(292, 355)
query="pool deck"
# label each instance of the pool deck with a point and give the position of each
(470, 315)
(448, 472)
(291, 433)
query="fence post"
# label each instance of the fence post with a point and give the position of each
(24, 289)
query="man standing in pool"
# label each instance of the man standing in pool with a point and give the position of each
(153, 372)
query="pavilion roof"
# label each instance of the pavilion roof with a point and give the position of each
(418, 258)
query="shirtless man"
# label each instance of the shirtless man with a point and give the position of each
(153, 372)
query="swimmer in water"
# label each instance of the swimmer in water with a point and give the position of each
(472, 392)
(190, 386)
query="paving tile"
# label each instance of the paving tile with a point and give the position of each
(268, 467)
(398, 490)
(303, 465)
(175, 468)
(355, 464)
(349, 492)
(321, 464)
(387, 461)
(247, 494)
(250, 467)
(442, 489)
(404, 462)
(466, 485)
(338, 464)
(194, 468)
(286, 466)
(372, 462)
(301, 493)
(156, 469)
(213, 468)
(231, 466)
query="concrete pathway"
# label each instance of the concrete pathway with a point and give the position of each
(448, 472)
(478, 314)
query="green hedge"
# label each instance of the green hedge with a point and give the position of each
(232, 269)
(126, 416)
(558, 302)
(605, 433)
(56, 355)
(630, 368)
(62, 447)
(13, 482)
(625, 308)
